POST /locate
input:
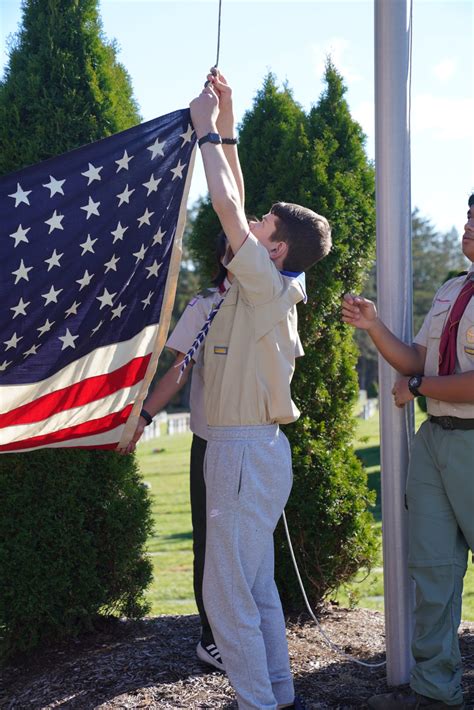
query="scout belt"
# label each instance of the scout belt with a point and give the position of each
(453, 422)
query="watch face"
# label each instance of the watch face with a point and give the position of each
(214, 137)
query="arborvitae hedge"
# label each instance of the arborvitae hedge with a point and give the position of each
(317, 160)
(73, 524)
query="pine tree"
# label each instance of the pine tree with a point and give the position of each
(318, 161)
(85, 515)
(63, 85)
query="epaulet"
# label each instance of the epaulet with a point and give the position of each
(454, 275)
(206, 292)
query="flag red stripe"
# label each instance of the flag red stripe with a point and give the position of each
(94, 426)
(78, 394)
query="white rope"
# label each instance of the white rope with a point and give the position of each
(330, 643)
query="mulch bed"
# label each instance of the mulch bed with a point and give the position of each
(152, 664)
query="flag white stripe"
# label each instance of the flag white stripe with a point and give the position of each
(100, 362)
(108, 437)
(71, 417)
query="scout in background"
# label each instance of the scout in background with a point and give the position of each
(440, 486)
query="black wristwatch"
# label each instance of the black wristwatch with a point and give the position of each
(210, 138)
(146, 416)
(413, 385)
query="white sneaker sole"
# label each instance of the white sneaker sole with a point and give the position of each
(207, 658)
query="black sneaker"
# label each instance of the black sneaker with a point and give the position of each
(210, 654)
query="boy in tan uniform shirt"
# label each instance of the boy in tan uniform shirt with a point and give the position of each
(249, 361)
(440, 486)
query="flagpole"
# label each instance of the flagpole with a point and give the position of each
(394, 297)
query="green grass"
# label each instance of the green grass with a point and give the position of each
(167, 472)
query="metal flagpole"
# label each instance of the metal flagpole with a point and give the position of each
(394, 297)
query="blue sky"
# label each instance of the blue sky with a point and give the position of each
(167, 47)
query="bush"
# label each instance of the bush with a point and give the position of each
(72, 534)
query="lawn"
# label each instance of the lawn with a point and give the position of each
(164, 464)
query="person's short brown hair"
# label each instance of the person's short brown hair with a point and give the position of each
(307, 234)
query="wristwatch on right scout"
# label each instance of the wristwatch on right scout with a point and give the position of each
(414, 383)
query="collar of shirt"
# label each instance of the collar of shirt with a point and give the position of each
(300, 276)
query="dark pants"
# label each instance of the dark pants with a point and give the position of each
(198, 516)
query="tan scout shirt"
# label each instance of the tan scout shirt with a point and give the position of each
(181, 340)
(249, 355)
(429, 336)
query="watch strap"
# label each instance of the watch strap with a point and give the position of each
(414, 383)
(229, 141)
(146, 416)
(210, 138)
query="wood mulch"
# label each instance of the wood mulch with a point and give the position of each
(152, 664)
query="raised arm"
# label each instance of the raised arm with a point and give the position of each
(221, 181)
(361, 313)
(226, 128)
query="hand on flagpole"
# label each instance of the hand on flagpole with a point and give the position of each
(205, 111)
(225, 120)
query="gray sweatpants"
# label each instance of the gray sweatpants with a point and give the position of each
(248, 480)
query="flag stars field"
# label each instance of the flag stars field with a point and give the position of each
(147, 301)
(68, 340)
(145, 218)
(187, 136)
(140, 254)
(20, 235)
(124, 161)
(32, 351)
(106, 299)
(151, 185)
(20, 195)
(45, 328)
(52, 295)
(54, 186)
(85, 280)
(55, 221)
(178, 170)
(92, 173)
(20, 308)
(153, 269)
(72, 310)
(13, 342)
(125, 196)
(53, 260)
(158, 237)
(87, 246)
(117, 312)
(111, 264)
(156, 149)
(92, 208)
(118, 232)
(21, 272)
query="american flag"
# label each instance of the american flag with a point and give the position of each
(90, 246)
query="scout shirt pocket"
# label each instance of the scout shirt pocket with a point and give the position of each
(439, 313)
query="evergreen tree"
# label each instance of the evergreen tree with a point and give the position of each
(318, 161)
(63, 88)
(327, 511)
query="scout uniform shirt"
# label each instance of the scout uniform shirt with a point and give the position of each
(249, 353)
(429, 336)
(181, 340)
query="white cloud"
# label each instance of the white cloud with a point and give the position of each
(445, 70)
(337, 48)
(444, 117)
